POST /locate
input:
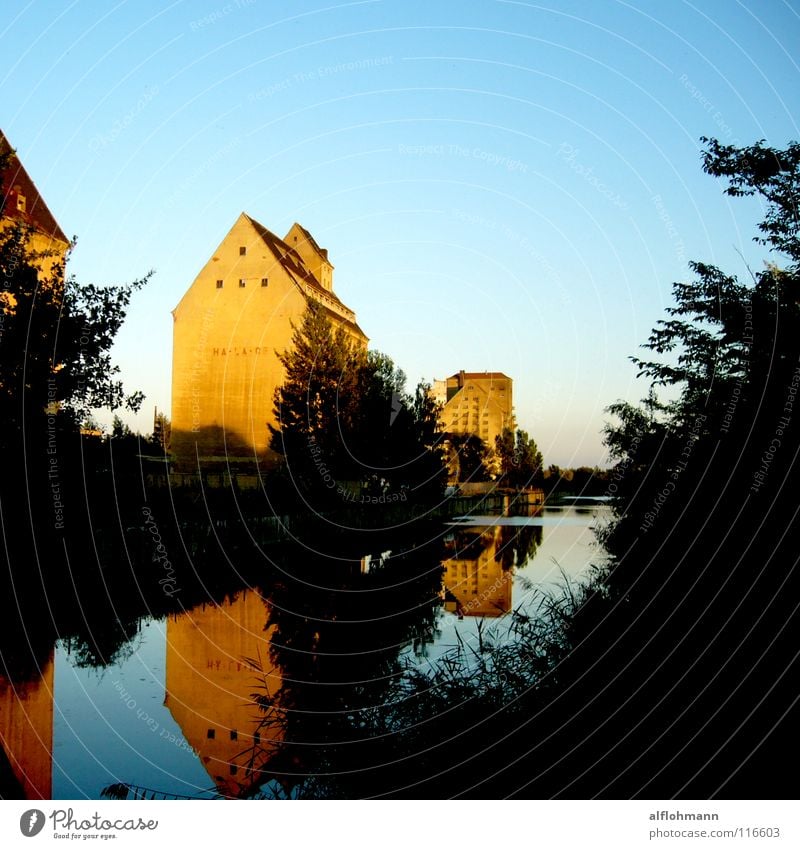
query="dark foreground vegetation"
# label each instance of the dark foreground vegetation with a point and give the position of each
(672, 673)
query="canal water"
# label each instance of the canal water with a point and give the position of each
(189, 707)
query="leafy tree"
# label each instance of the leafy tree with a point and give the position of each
(520, 459)
(345, 418)
(728, 351)
(697, 606)
(56, 362)
(472, 457)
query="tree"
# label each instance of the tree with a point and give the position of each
(728, 350)
(345, 418)
(696, 608)
(472, 456)
(520, 460)
(56, 364)
(314, 407)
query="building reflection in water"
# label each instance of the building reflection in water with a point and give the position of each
(478, 576)
(218, 664)
(26, 736)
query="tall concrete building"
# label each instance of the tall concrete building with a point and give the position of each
(228, 329)
(475, 403)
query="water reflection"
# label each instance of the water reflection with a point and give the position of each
(478, 574)
(26, 735)
(218, 660)
(270, 688)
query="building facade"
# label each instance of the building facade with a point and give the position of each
(218, 660)
(228, 329)
(475, 403)
(23, 204)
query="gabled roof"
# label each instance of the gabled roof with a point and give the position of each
(16, 181)
(293, 264)
(311, 241)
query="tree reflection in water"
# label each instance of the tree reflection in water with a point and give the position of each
(303, 687)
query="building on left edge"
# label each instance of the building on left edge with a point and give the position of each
(23, 204)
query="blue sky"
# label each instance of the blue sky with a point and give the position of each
(504, 186)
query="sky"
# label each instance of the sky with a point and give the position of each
(501, 185)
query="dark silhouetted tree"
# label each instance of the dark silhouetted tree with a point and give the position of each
(520, 459)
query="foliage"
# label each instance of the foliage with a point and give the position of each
(57, 337)
(345, 419)
(521, 463)
(672, 672)
(472, 457)
(728, 352)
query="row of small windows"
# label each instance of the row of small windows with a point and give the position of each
(212, 734)
(243, 283)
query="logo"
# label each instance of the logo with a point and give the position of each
(397, 405)
(31, 822)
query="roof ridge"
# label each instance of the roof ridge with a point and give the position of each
(36, 211)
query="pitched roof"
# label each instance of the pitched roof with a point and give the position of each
(293, 264)
(482, 375)
(16, 181)
(311, 241)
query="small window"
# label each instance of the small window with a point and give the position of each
(211, 734)
(234, 769)
(219, 284)
(264, 282)
(234, 734)
(21, 203)
(242, 251)
(242, 282)
(256, 738)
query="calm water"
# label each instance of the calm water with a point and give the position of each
(176, 713)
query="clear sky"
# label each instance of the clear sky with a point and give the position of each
(502, 186)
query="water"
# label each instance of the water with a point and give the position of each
(175, 713)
